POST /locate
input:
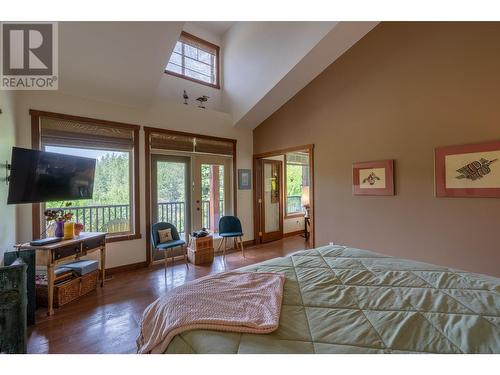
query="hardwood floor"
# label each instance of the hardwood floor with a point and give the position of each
(107, 321)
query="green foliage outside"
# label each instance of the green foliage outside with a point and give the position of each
(294, 179)
(111, 184)
(171, 184)
(205, 182)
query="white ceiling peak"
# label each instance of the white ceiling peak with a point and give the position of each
(264, 64)
(263, 74)
(217, 28)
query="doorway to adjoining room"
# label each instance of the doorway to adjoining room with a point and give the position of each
(283, 203)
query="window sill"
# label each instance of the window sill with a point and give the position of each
(215, 86)
(292, 216)
(122, 237)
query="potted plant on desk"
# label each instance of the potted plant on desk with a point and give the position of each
(64, 225)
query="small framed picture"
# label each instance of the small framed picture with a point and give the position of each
(244, 179)
(373, 178)
(471, 170)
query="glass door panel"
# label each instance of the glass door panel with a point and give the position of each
(170, 200)
(212, 195)
(270, 200)
(211, 191)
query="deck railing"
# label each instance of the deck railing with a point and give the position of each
(116, 217)
(293, 204)
(205, 212)
(104, 218)
(172, 212)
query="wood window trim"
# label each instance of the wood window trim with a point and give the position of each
(284, 151)
(217, 62)
(36, 145)
(147, 158)
(294, 215)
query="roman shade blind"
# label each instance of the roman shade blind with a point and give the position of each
(175, 141)
(213, 146)
(63, 132)
(198, 43)
(168, 141)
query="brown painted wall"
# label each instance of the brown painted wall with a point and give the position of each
(401, 91)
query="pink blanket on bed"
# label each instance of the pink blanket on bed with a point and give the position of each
(232, 301)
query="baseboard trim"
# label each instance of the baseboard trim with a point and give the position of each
(125, 267)
(135, 266)
(248, 243)
(295, 233)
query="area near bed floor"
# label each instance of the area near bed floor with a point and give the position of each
(345, 300)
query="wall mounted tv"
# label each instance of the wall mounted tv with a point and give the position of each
(39, 176)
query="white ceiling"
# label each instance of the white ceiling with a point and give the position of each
(120, 62)
(263, 63)
(217, 28)
(339, 38)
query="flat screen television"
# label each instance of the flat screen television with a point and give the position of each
(40, 176)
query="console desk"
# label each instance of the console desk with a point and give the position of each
(67, 250)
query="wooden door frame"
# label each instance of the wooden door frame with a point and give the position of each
(256, 189)
(277, 235)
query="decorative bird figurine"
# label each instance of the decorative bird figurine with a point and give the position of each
(186, 97)
(202, 99)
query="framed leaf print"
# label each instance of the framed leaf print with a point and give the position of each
(471, 170)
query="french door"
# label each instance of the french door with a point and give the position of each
(190, 191)
(211, 193)
(269, 192)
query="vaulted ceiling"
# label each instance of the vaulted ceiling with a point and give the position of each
(263, 63)
(119, 62)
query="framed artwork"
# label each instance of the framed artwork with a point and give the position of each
(468, 170)
(244, 179)
(373, 178)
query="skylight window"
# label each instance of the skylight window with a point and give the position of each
(195, 59)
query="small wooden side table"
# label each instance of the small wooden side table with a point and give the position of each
(63, 251)
(201, 250)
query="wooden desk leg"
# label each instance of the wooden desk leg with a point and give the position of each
(103, 265)
(50, 289)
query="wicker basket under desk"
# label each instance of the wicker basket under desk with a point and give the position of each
(201, 250)
(69, 290)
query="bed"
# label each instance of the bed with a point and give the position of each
(344, 300)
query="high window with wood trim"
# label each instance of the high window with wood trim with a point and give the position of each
(195, 59)
(114, 207)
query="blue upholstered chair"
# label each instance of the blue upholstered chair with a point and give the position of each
(169, 245)
(230, 227)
